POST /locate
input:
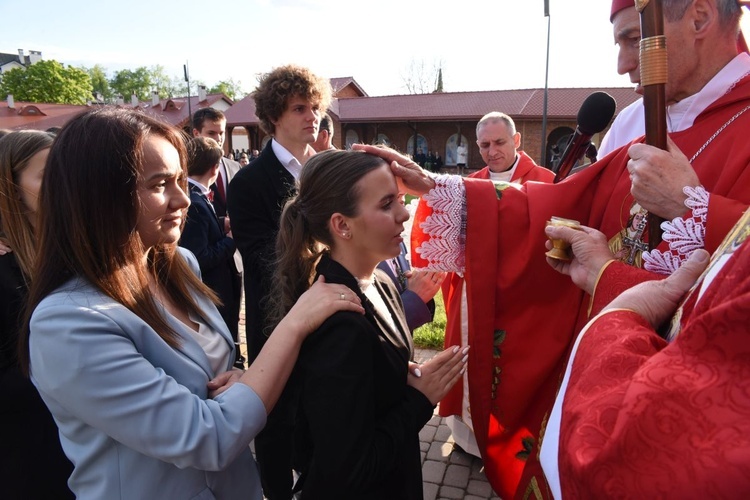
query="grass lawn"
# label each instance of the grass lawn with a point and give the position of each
(432, 335)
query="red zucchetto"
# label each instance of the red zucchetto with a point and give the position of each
(618, 5)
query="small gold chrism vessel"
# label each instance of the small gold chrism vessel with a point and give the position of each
(561, 248)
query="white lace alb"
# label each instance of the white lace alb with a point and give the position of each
(684, 235)
(445, 227)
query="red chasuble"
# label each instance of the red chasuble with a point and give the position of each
(646, 419)
(524, 316)
(526, 170)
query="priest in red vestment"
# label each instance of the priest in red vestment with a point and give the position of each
(523, 315)
(499, 144)
(639, 416)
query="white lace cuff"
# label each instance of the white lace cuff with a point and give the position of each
(684, 235)
(445, 227)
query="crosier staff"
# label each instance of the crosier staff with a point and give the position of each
(653, 65)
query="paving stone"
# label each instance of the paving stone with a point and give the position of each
(460, 458)
(430, 491)
(479, 488)
(456, 475)
(444, 433)
(449, 492)
(477, 470)
(424, 446)
(427, 433)
(439, 451)
(433, 472)
(435, 420)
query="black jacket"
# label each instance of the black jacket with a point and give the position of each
(257, 195)
(204, 236)
(359, 423)
(32, 463)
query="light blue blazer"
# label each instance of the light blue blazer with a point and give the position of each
(134, 415)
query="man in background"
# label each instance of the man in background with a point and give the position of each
(205, 236)
(462, 154)
(257, 195)
(211, 124)
(324, 141)
(499, 144)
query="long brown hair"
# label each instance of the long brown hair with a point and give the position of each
(89, 208)
(16, 149)
(327, 185)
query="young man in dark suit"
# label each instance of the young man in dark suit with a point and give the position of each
(205, 236)
(256, 196)
(211, 123)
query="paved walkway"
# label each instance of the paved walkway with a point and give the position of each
(447, 472)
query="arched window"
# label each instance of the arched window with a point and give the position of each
(421, 145)
(384, 140)
(450, 149)
(351, 138)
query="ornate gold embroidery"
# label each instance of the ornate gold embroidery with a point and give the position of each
(501, 186)
(541, 436)
(532, 490)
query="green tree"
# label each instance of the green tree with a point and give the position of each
(48, 81)
(229, 88)
(99, 82)
(180, 87)
(128, 82)
(166, 86)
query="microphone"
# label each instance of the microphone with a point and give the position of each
(595, 114)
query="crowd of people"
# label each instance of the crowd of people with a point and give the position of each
(121, 304)
(242, 154)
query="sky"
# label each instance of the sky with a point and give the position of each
(480, 44)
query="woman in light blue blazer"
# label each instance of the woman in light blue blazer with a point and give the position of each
(125, 343)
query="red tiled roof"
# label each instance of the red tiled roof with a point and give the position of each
(562, 103)
(23, 115)
(242, 112)
(526, 103)
(175, 110)
(38, 116)
(339, 83)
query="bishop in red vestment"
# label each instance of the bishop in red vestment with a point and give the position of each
(523, 314)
